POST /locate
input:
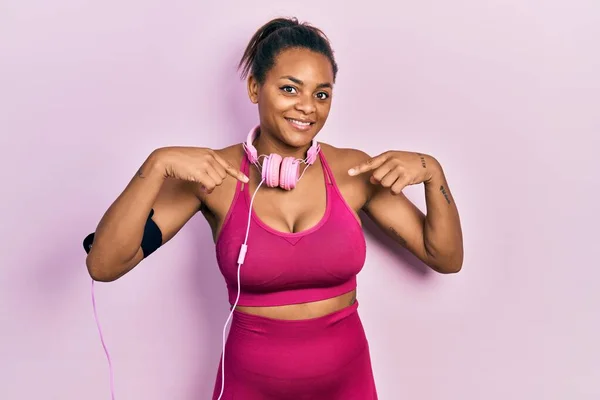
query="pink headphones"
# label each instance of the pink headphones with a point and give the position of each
(278, 171)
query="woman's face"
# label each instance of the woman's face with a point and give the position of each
(295, 99)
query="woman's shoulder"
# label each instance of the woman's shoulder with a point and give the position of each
(233, 154)
(343, 157)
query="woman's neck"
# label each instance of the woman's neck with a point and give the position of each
(266, 144)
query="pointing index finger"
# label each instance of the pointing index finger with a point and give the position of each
(236, 173)
(368, 165)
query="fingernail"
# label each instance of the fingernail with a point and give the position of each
(246, 179)
(351, 171)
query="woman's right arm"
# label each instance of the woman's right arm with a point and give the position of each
(167, 182)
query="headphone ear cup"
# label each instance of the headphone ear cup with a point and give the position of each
(289, 174)
(270, 170)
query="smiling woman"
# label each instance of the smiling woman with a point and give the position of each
(292, 75)
(296, 331)
(294, 102)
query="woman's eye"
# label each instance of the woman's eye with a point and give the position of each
(288, 89)
(322, 95)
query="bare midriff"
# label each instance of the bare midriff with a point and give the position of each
(312, 309)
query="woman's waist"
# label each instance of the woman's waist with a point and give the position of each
(313, 312)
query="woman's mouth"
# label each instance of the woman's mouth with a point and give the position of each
(300, 125)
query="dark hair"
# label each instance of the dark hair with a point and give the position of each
(277, 35)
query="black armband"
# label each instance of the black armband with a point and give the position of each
(151, 240)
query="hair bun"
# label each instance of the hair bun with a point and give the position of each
(260, 53)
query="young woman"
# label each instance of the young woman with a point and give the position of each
(288, 237)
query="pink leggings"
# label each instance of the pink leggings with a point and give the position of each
(324, 358)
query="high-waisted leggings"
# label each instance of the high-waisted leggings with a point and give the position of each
(324, 358)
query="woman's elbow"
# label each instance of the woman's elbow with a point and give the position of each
(450, 266)
(99, 271)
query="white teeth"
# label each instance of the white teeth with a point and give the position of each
(299, 122)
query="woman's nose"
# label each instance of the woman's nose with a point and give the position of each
(306, 104)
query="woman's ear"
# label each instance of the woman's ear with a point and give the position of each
(253, 89)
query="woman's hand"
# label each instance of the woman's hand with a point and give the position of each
(398, 169)
(196, 164)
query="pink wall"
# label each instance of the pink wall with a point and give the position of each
(505, 94)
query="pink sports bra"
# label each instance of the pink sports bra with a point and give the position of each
(290, 268)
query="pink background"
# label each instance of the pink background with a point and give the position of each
(506, 94)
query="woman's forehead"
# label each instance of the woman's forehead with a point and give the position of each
(302, 64)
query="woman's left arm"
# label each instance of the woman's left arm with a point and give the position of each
(435, 238)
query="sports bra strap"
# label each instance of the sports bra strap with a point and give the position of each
(327, 169)
(245, 170)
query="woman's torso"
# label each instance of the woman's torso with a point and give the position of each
(290, 212)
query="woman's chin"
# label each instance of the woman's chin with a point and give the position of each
(299, 138)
